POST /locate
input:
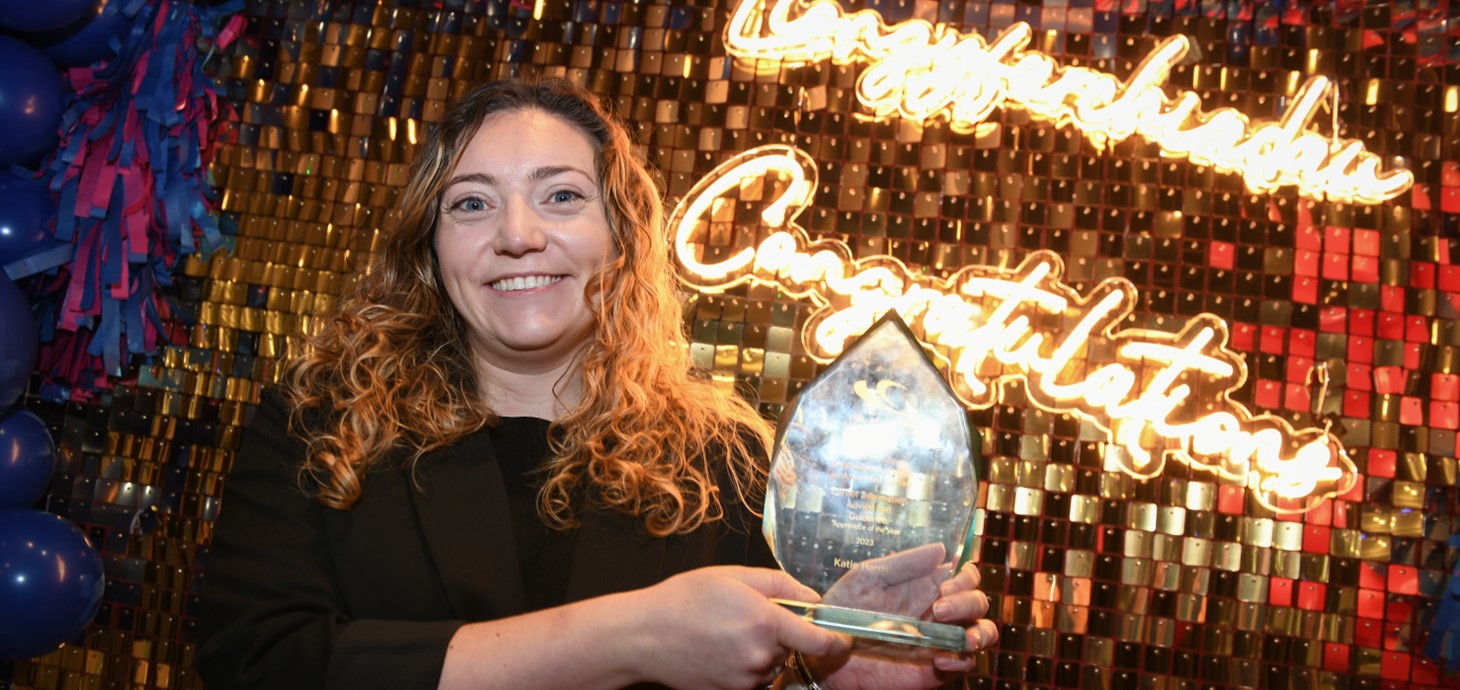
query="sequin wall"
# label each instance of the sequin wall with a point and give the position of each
(1099, 580)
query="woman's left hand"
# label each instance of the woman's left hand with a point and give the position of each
(914, 583)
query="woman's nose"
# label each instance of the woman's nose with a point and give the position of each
(522, 230)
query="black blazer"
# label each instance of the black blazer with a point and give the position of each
(297, 595)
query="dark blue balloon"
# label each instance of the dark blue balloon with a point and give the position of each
(30, 102)
(25, 216)
(27, 459)
(88, 40)
(26, 16)
(19, 343)
(51, 582)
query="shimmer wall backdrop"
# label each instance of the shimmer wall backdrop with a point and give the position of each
(1335, 316)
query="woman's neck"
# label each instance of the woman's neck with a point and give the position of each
(545, 394)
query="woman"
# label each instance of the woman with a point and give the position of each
(493, 468)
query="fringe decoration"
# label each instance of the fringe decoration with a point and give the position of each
(131, 175)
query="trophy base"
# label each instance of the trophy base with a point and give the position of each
(902, 636)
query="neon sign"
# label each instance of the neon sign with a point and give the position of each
(1157, 396)
(918, 70)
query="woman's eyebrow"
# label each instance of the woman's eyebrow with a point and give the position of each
(538, 174)
(547, 171)
(480, 178)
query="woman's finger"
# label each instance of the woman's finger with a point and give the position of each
(961, 606)
(965, 579)
(982, 635)
(797, 633)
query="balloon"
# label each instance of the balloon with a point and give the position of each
(25, 215)
(19, 342)
(51, 582)
(30, 102)
(27, 16)
(27, 459)
(88, 40)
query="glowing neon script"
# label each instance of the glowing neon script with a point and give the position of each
(918, 70)
(1156, 395)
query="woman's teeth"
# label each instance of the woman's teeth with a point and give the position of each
(524, 282)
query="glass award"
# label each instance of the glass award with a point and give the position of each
(872, 483)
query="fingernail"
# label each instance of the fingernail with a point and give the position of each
(942, 610)
(977, 639)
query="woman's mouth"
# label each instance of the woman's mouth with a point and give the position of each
(523, 282)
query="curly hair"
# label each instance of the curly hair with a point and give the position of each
(390, 367)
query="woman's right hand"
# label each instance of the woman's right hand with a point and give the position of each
(716, 627)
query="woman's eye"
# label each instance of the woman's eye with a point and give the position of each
(565, 196)
(470, 205)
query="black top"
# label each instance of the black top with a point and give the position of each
(298, 595)
(545, 554)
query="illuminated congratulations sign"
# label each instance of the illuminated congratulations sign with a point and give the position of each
(918, 70)
(1156, 395)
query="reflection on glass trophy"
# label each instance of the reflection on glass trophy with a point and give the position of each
(872, 486)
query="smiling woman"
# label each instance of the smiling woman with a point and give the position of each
(523, 235)
(493, 465)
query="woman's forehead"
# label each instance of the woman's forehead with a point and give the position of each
(523, 142)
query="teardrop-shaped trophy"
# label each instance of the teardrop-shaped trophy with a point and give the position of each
(872, 486)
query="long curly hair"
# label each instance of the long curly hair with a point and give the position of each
(389, 368)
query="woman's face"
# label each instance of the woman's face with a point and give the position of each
(522, 231)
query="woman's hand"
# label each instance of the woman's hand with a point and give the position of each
(717, 628)
(917, 584)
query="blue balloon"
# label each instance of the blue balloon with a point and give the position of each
(51, 582)
(25, 216)
(30, 102)
(44, 15)
(27, 459)
(87, 41)
(19, 342)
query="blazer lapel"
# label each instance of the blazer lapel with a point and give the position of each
(461, 503)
